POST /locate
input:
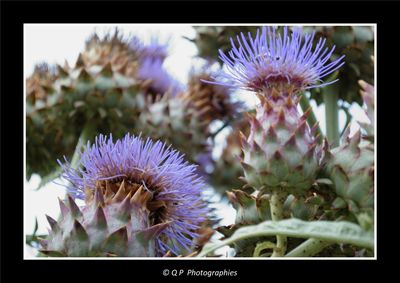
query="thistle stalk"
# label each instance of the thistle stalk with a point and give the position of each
(330, 96)
(277, 199)
(87, 133)
(309, 248)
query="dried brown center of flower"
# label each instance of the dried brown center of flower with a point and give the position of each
(210, 101)
(142, 195)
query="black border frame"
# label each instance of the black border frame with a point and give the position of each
(14, 14)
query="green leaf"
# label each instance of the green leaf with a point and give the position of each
(339, 232)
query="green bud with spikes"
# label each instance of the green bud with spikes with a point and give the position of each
(250, 209)
(111, 224)
(351, 169)
(174, 120)
(281, 151)
(100, 91)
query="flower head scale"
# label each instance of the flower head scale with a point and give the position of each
(272, 60)
(172, 183)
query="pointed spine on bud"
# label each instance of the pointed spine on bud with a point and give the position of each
(84, 76)
(74, 209)
(154, 231)
(52, 222)
(107, 71)
(306, 114)
(99, 219)
(63, 208)
(79, 62)
(291, 142)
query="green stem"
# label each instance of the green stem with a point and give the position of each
(330, 96)
(312, 120)
(86, 134)
(309, 248)
(262, 246)
(277, 201)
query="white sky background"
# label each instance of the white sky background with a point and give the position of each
(57, 43)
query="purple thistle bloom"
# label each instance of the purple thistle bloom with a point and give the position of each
(155, 50)
(273, 60)
(159, 169)
(151, 60)
(161, 82)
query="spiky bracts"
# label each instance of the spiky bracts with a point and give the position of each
(112, 223)
(351, 169)
(250, 208)
(281, 151)
(40, 83)
(172, 190)
(44, 135)
(351, 166)
(133, 59)
(96, 95)
(102, 89)
(122, 54)
(281, 155)
(184, 119)
(211, 102)
(275, 61)
(175, 121)
(99, 90)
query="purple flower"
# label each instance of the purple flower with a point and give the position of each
(155, 50)
(151, 60)
(274, 60)
(160, 81)
(159, 169)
